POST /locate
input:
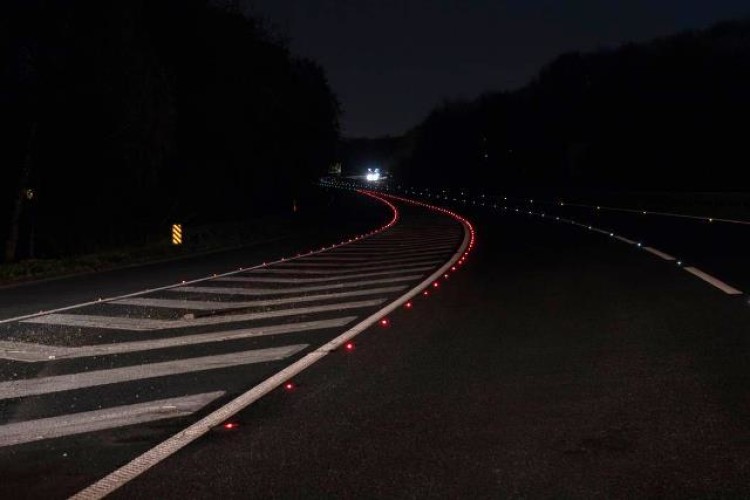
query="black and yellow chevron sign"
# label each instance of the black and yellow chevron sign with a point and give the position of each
(177, 234)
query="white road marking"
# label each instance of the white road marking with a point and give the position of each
(286, 291)
(142, 463)
(36, 353)
(252, 279)
(145, 324)
(212, 305)
(625, 240)
(666, 214)
(369, 262)
(729, 290)
(359, 266)
(396, 242)
(399, 250)
(659, 253)
(110, 418)
(376, 257)
(337, 270)
(58, 383)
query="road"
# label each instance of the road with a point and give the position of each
(556, 361)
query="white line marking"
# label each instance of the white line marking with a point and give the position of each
(36, 353)
(253, 279)
(144, 324)
(625, 240)
(110, 418)
(416, 248)
(286, 291)
(337, 270)
(376, 257)
(331, 261)
(357, 266)
(666, 214)
(45, 385)
(713, 281)
(659, 253)
(212, 305)
(405, 243)
(140, 464)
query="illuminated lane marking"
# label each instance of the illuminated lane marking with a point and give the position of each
(36, 353)
(659, 253)
(152, 457)
(46, 385)
(729, 290)
(625, 240)
(144, 324)
(666, 214)
(98, 420)
(213, 305)
(252, 279)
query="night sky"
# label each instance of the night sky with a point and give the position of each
(391, 61)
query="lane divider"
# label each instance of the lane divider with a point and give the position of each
(729, 290)
(721, 285)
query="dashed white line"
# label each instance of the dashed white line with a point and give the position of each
(659, 253)
(729, 290)
(625, 240)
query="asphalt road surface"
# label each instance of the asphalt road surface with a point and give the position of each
(555, 361)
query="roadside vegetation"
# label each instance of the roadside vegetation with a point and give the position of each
(664, 116)
(117, 127)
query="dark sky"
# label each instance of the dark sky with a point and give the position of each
(391, 61)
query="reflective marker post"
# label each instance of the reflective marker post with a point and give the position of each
(177, 234)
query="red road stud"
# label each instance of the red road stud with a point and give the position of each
(230, 426)
(289, 386)
(385, 322)
(408, 305)
(426, 293)
(436, 284)
(349, 346)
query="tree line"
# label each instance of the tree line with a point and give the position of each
(670, 115)
(124, 116)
